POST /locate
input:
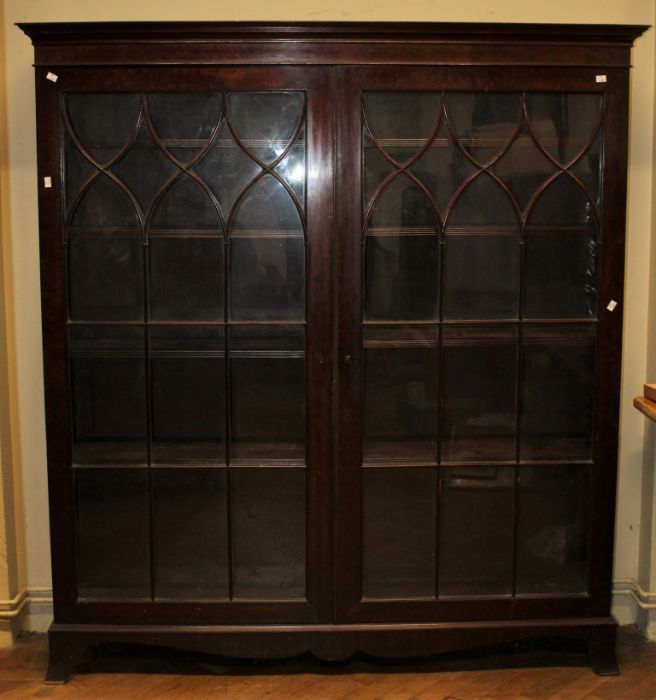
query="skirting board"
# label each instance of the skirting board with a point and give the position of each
(29, 611)
(631, 606)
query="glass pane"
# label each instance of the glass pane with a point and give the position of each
(483, 203)
(105, 208)
(226, 169)
(184, 121)
(484, 122)
(105, 256)
(108, 120)
(523, 168)
(400, 394)
(105, 278)
(401, 277)
(268, 533)
(399, 521)
(563, 207)
(190, 532)
(376, 168)
(401, 254)
(552, 529)
(267, 208)
(267, 256)
(186, 279)
(481, 276)
(564, 123)
(144, 169)
(265, 122)
(188, 385)
(292, 168)
(267, 278)
(401, 122)
(561, 276)
(443, 168)
(588, 169)
(108, 389)
(476, 553)
(185, 208)
(402, 207)
(77, 170)
(113, 534)
(267, 367)
(557, 396)
(480, 379)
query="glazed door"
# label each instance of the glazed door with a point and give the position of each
(193, 252)
(477, 443)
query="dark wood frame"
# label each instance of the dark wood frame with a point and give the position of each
(319, 359)
(353, 81)
(483, 56)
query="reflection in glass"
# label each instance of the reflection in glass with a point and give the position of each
(267, 207)
(190, 533)
(480, 377)
(292, 168)
(265, 121)
(268, 533)
(476, 553)
(400, 394)
(226, 169)
(108, 390)
(558, 385)
(267, 365)
(481, 276)
(113, 553)
(188, 409)
(552, 529)
(399, 525)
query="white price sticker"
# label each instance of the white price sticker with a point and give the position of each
(612, 305)
(47, 182)
(601, 78)
(52, 76)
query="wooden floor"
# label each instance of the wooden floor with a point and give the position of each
(510, 673)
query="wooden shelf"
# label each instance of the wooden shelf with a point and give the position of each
(646, 406)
